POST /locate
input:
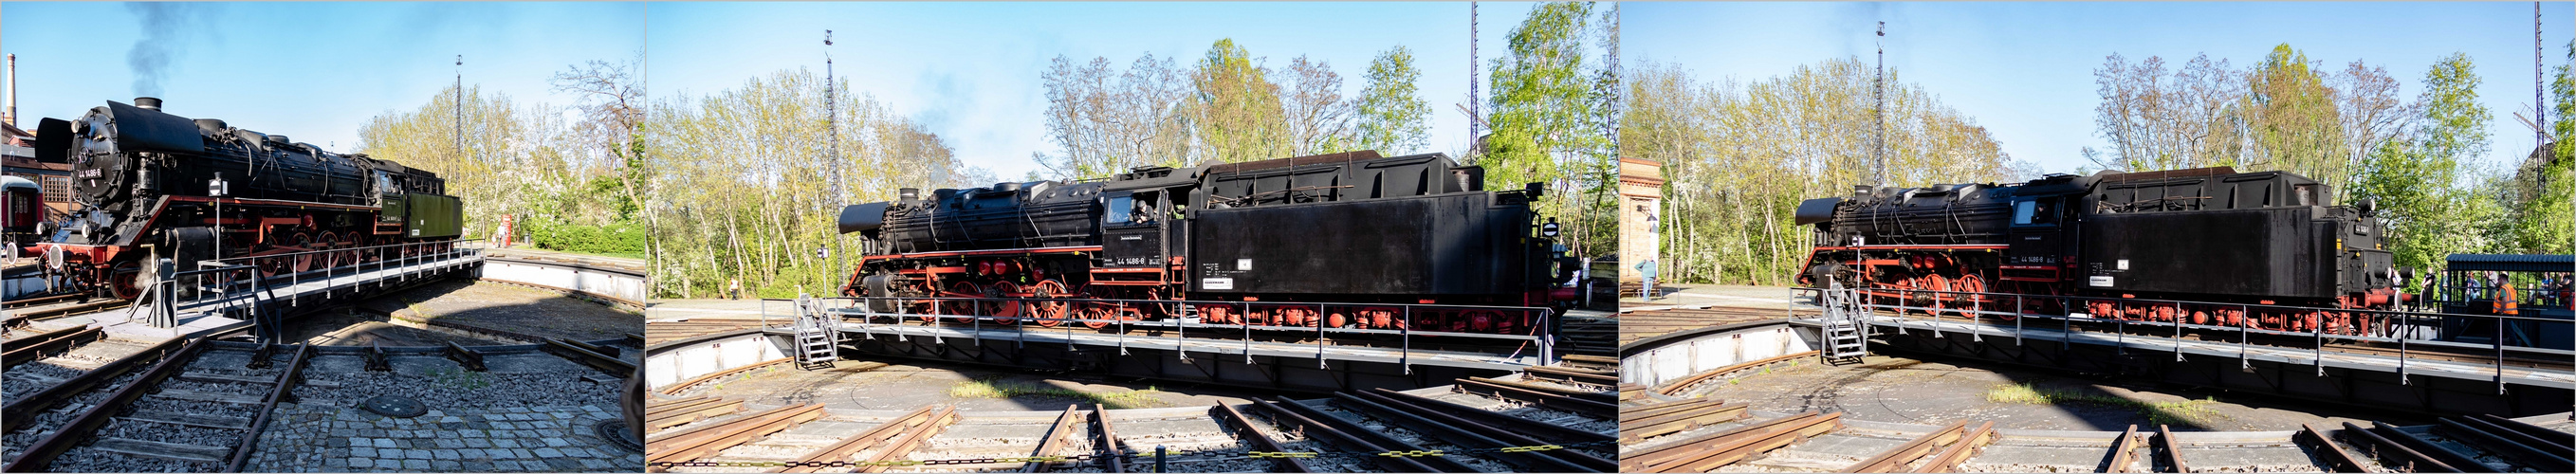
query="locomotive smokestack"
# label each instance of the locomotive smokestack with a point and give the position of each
(148, 103)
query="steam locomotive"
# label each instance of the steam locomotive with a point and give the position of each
(1354, 229)
(153, 182)
(2204, 235)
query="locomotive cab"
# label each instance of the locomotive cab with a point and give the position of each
(389, 198)
(1131, 229)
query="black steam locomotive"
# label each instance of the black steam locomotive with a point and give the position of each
(2208, 234)
(1343, 228)
(152, 180)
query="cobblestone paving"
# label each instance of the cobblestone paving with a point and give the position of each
(314, 438)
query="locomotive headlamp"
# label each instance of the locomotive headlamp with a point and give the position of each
(1548, 229)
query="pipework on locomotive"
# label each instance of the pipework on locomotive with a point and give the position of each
(1351, 229)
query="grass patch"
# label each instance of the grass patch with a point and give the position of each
(990, 388)
(460, 378)
(2193, 412)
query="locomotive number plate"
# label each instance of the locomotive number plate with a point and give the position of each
(2101, 280)
(1216, 283)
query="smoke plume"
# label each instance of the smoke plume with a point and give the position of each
(165, 28)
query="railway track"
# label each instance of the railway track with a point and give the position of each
(1477, 430)
(1703, 435)
(35, 311)
(207, 405)
(1637, 325)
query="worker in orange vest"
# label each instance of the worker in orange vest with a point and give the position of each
(2507, 301)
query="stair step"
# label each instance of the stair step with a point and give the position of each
(156, 449)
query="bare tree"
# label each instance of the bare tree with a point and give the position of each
(1319, 119)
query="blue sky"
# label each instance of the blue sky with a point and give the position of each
(314, 71)
(2025, 70)
(969, 71)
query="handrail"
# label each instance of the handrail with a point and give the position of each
(2408, 330)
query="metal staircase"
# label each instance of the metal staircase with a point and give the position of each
(1845, 324)
(814, 335)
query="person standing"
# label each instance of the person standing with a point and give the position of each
(2507, 301)
(1647, 269)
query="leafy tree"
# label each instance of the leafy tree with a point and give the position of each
(1392, 115)
(1546, 104)
(2291, 118)
(2427, 194)
(2546, 219)
(744, 180)
(1237, 112)
(1739, 157)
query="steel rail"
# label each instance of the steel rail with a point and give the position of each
(1896, 458)
(1677, 421)
(1729, 447)
(1550, 399)
(2337, 460)
(2384, 448)
(1463, 433)
(1053, 441)
(1527, 426)
(2455, 459)
(1244, 430)
(1359, 439)
(1949, 459)
(603, 362)
(691, 412)
(25, 302)
(2513, 445)
(2124, 451)
(22, 315)
(2565, 441)
(912, 438)
(1109, 438)
(694, 444)
(1567, 375)
(281, 390)
(1654, 409)
(33, 348)
(40, 456)
(1671, 389)
(1598, 362)
(2172, 448)
(853, 444)
(14, 415)
(674, 389)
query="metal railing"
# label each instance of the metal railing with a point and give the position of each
(249, 285)
(1182, 318)
(2415, 335)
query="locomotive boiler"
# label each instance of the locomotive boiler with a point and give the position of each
(161, 186)
(1352, 229)
(2203, 235)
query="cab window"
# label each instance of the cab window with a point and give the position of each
(2034, 212)
(1119, 209)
